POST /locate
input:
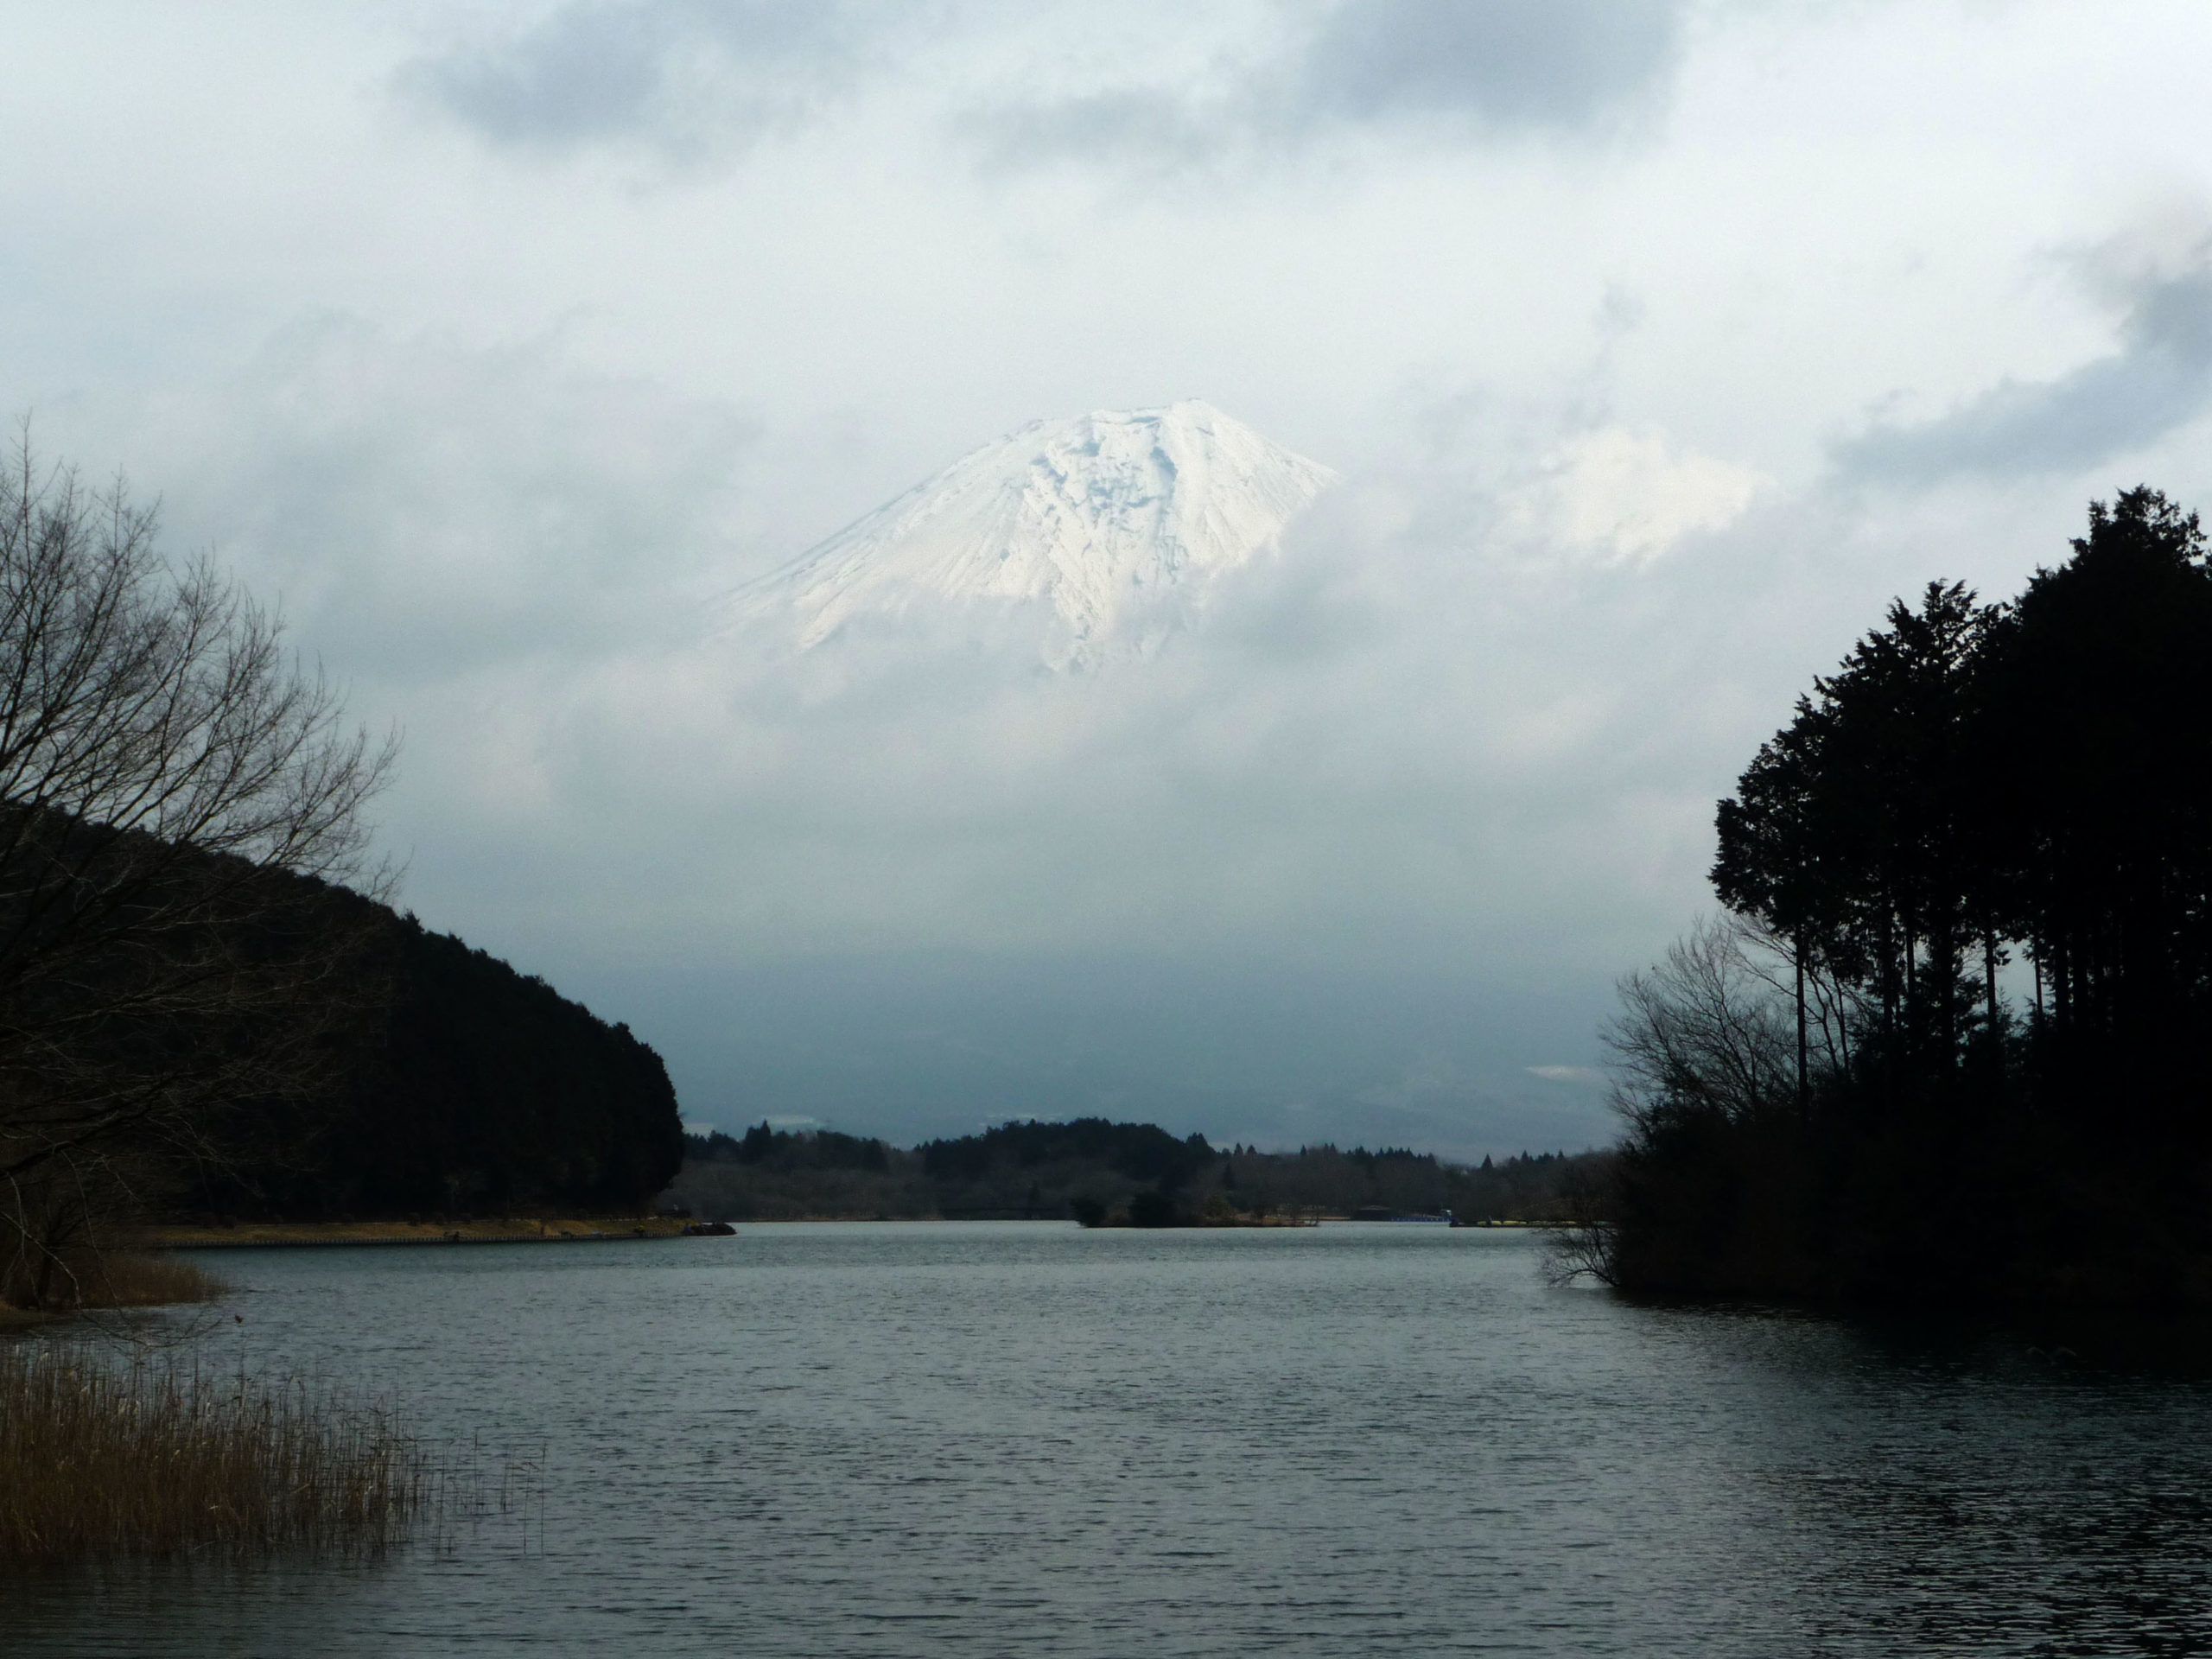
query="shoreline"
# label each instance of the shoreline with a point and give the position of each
(332, 1234)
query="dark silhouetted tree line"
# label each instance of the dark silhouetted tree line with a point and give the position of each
(1953, 1042)
(456, 1086)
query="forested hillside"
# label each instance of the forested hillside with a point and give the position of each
(458, 1086)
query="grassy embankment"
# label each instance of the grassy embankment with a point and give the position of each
(482, 1230)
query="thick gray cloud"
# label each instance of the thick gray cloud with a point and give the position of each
(1501, 64)
(2158, 380)
(688, 78)
(427, 510)
(1468, 68)
(684, 78)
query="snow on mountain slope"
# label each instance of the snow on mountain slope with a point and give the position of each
(1119, 520)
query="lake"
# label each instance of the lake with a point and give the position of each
(1002, 1438)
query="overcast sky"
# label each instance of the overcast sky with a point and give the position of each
(1659, 344)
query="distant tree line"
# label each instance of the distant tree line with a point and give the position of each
(772, 1174)
(769, 1148)
(1951, 1042)
(1095, 1170)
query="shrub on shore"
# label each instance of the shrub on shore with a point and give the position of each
(102, 1458)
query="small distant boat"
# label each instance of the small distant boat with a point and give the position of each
(709, 1230)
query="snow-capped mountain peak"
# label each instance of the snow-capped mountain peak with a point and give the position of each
(1119, 520)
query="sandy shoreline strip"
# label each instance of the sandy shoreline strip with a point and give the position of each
(494, 1230)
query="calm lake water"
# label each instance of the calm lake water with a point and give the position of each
(1016, 1439)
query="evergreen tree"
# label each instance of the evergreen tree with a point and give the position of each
(1971, 782)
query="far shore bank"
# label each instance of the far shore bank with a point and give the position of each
(586, 1229)
(494, 1230)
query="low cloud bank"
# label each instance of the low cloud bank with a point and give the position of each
(1353, 853)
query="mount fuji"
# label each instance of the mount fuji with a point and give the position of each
(1118, 520)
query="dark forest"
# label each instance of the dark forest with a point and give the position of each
(1950, 1043)
(458, 1086)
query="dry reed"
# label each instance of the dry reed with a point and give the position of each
(126, 1279)
(83, 1278)
(102, 1457)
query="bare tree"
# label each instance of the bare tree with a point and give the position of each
(1730, 1026)
(1581, 1235)
(168, 773)
(1709, 1028)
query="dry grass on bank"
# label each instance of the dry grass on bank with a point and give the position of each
(480, 1230)
(83, 1278)
(93, 1279)
(126, 1279)
(102, 1457)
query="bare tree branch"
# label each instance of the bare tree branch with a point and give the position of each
(168, 773)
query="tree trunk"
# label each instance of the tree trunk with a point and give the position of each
(1989, 978)
(1804, 1083)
